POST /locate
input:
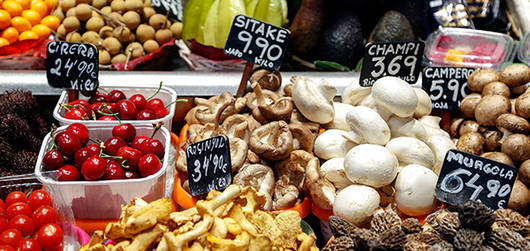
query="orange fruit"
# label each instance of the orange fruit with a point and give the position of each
(3, 42)
(27, 35)
(40, 7)
(51, 21)
(32, 16)
(51, 3)
(11, 34)
(41, 30)
(12, 7)
(5, 19)
(23, 3)
(21, 24)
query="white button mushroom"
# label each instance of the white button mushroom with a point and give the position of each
(314, 100)
(333, 143)
(439, 145)
(367, 123)
(395, 95)
(356, 203)
(408, 127)
(339, 119)
(432, 126)
(333, 170)
(424, 106)
(415, 186)
(410, 150)
(371, 165)
(354, 93)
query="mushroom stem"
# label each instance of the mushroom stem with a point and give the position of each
(207, 207)
(259, 94)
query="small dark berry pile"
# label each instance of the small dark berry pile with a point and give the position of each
(473, 226)
(123, 156)
(114, 105)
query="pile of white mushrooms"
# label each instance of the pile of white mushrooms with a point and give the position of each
(381, 146)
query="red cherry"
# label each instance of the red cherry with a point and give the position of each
(76, 114)
(138, 142)
(127, 109)
(52, 160)
(68, 173)
(107, 118)
(29, 245)
(138, 100)
(99, 97)
(81, 156)
(153, 146)
(80, 130)
(113, 144)
(94, 168)
(149, 164)
(146, 115)
(131, 155)
(93, 149)
(131, 175)
(80, 102)
(154, 104)
(113, 107)
(67, 143)
(125, 131)
(160, 113)
(116, 95)
(114, 171)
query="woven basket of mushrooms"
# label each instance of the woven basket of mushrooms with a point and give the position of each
(380, 148)
(271, 135)
(494, 124)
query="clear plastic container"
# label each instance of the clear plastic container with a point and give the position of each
(167, 95)
(102, 200)
(460, 47)
(524, 49)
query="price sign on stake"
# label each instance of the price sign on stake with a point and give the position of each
(209, 165)
(257, 42)
(447, 86)
(72, 65)
(174, 7)
(466, 177)
(398, 59)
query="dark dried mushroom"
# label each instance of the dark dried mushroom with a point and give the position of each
(504, 239)
(270, 80)
(260, 177)
(303, 138)
(393, 239)
(442, 246)
(416, 246)
(240, 126)
(252, 101)
(340, 244)
(288, 90)
(190, 116)
(512, 220)
(472, 142)
(273, 141)
(365, 239)
(446, 223)
(297, 117)
(475, 215)
(252, 157)
(341, 227)
(430, 238)
(486, 248)
(385, 220)
(468, 239)
(411, 225)
(295, 167)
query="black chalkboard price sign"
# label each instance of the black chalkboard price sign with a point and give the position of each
(446, 86)
(72, 65)
(174, 7)
(398, 59)
(257, 42)
(466, 177)
(209, 165)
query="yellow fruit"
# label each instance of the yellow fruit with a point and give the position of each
(12, 7)
(24, 3)
(5, 19)
(3, 42)
(32, 16)
(11, 34)
(41, 30)
(51, 3)
(21, 24)
(27, 35)
(40, 7)
(51, 21)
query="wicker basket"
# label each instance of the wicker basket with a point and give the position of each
(199, 63)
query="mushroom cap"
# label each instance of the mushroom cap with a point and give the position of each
(492, 140)
(368, 124)
(472, 142)
(519, 198)
(303, 138)
(490, 108)
(455, 127)
(439, 145)
(314, 100)
(408, 127)
(238, 153)
(371, 165)
(356, 203)
(354, 93)
(496, 88)
(333, 170)
(323, 194)
(515, 75)
(272, 141)
(522, 105)
(261, 177)
(498, 156)
(410, 150)
(415, 186)
(333, 143)
(517, 146)
(468, 126)
(339, 119)
(270, 80)
(480, 78)
(432, 126)
(424, 106)
(524, 172)
(395, 95)
(469, 104)
(513, 123)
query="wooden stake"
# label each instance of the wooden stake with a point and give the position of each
(244, 79)
(446, 120)
(72, 95)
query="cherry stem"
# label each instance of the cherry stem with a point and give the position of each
(176, 100)
(66, 106)
(115, 115)
(104, 155)
(52, 134)
(157, 127)
(124, 165)
(97, 141)
(156, 92)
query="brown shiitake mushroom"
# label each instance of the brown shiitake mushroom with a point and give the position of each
(297, 117)
(280, 109)
(252, 157)
(468, 105)
(492, 140)
(511, 123)
(480, 78)
(288, 90)
(252, 101)
(520, 198)
(296, 168)
(517, 146)
(270, 80)
(522, 105)
(498, 156)
(490, 108)
(323, 194)
(261, 177)
(455, 127)
(515, 75)
(238, 153)
(471, 142)
(285, 194)
(468, 126)
(524, 172)
(240, 126)
(496, 88)
(209, 108)
(273, 141)
(303, 138)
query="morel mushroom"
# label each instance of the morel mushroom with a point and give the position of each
(273, 141)
(260, 177)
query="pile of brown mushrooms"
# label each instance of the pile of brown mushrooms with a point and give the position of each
(271, 135)
(494, 124)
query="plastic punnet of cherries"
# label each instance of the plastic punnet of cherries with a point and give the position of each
(29, 223)
(122, 156)
(114, 105)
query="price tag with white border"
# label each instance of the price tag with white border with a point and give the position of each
(446, 86)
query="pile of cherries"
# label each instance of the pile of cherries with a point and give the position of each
(114, 105)
(29, 223)
(122, 156)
